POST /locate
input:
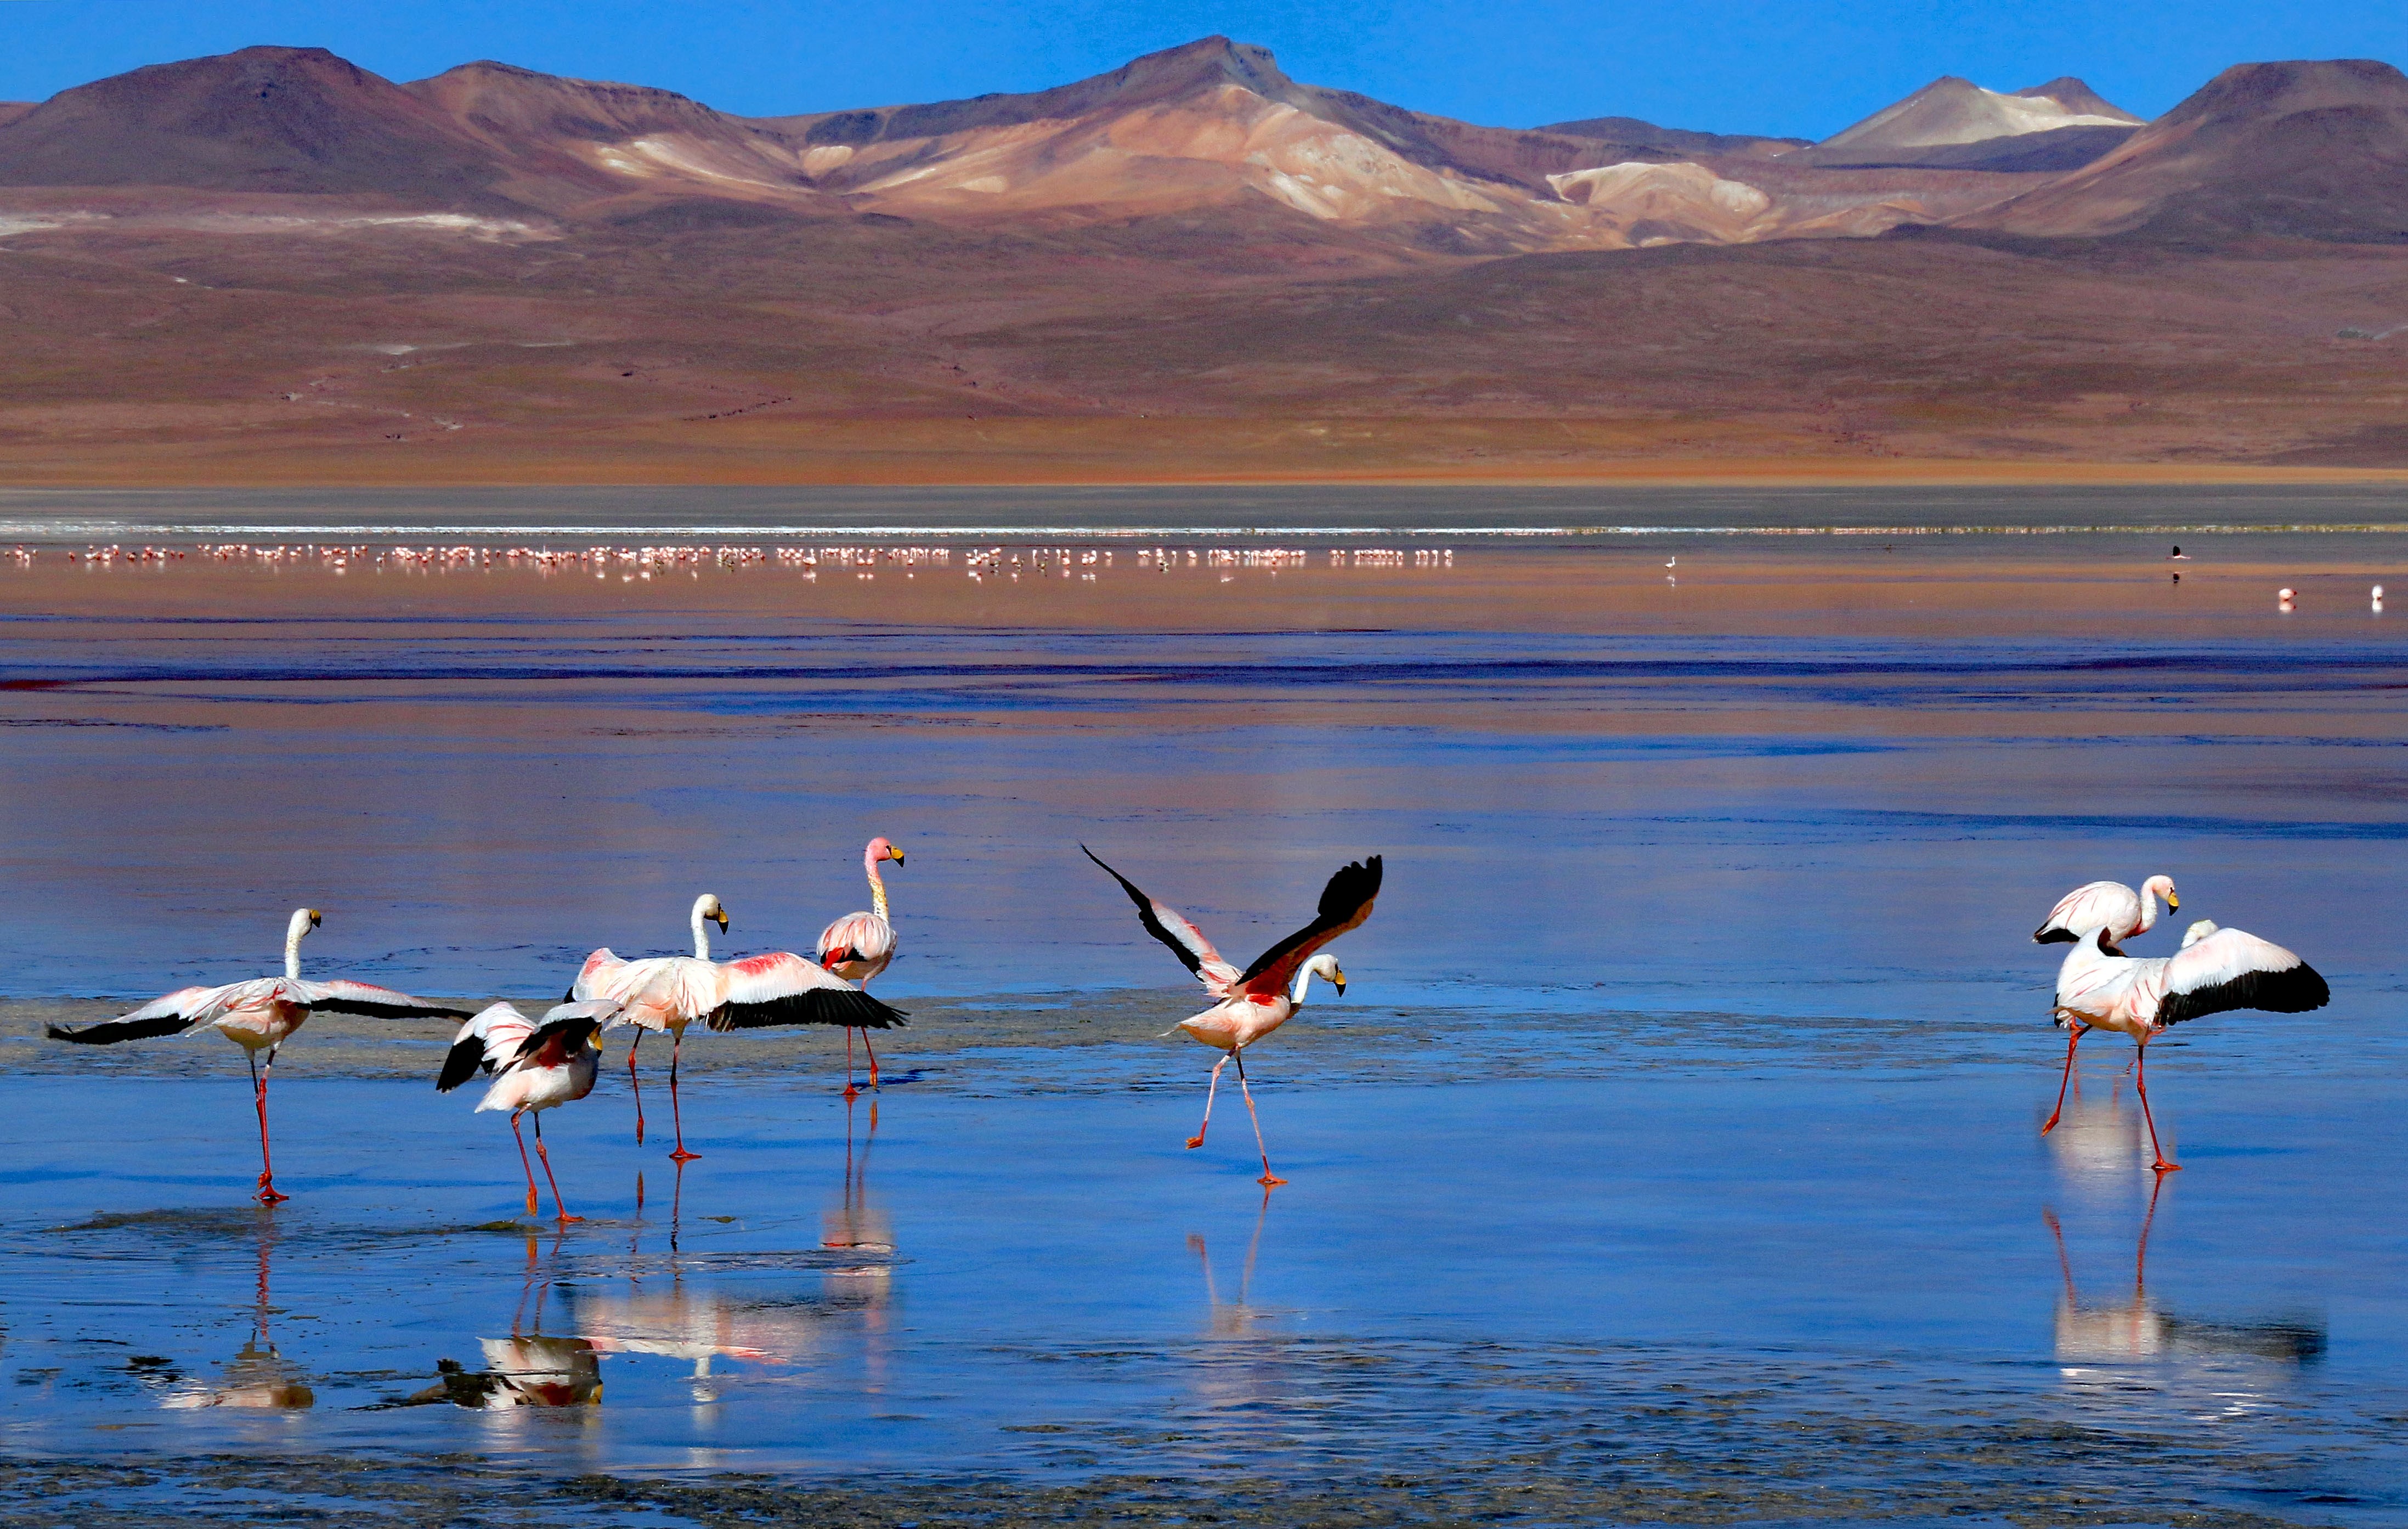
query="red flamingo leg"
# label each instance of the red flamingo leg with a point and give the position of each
(2141, 1084)
(873, 1058)
(1210, 1091)
(530, 1173)
(850, 1092)
(267, 1195)
(637, 1084)
(2078, 1027)
(676, 1114)
(540, 1152)
(1268, 1177)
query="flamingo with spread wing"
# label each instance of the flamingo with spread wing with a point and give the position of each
(1257, 1000)
(535, 1067)
(2101, 987)
(258, 1015)
(670, 992)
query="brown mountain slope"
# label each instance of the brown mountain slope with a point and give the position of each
(291, 119)
(1680, 140)
(2307, 149)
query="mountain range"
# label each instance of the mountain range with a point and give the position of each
(1178, 198)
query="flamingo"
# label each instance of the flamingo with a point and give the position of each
(670, 992)
(858, 946)
(2110, 905)
(535, 1067)
(2100, 986)
(1257, 1000)
(259, 1015)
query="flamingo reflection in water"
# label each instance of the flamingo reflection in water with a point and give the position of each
(699, 1316)
(257, 1378)
(529, 1368)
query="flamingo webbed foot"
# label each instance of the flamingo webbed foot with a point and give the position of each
(267, 1195)
(1194, 1141)
(1270, 1180)
(2162, 1167)
(565, 1219)
(681, 1155)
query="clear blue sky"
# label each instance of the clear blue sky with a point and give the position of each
(1807, 68)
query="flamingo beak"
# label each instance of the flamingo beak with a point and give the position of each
(896, 853)
(723, 921)
(2172, 901)
(1338, 982)
(315, 919)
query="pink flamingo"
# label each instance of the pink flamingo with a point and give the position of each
(2100, 986)
(859, 946)
(670, 992)
(535, 1067)
(2110, 905)
(1259, 999)
(258, 1015)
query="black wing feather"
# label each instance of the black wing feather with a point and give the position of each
(113, 1030)
(1153, 926)
(1351, 888)
(463, 1061)
(814, 1006)
(2293, 991)
(2059, 936)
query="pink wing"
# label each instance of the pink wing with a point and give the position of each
(2232, 969)
(857, 937)
(342, 996)
(593, 979)
(783, 988)
(177, 1012)
(2110, 905)
(1173, 928)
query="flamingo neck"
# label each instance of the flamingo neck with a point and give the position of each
(2148, 911)
(1303, 980)
(292, 933)
(876, 884)
(701, 935)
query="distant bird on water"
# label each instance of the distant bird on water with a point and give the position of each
(1265, 995)
(859, 946)
(670, 992)
(259, 1015)
(2100, 986)
(534, 1068)
(2110, 905)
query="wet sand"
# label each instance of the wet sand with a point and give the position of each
(1671, 1157)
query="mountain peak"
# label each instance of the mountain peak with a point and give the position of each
(2077, 96)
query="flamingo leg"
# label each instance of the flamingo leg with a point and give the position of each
(546, 1157)
(636, 1083)
(1268, 1177)
(267, 1195)
(2078, 1027)
(850, 1092)
(1210, 1091)
(873, 1058)
(676, 1114)
(530, 1176)
(2141, 1085)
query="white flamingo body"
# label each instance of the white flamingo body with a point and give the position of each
(670, 992)
(535, 1067)
(2107, 905)
(1257, 1000)
(2099, 988)
(258, 1014)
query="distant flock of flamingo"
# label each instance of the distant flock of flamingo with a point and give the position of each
(537, 1065)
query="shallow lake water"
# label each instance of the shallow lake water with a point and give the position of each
(1672, 1155)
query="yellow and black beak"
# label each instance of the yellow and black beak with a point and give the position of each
(722, 916)
(2172, 901)
(896, 853)
(315, 919)
(1338, 982)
